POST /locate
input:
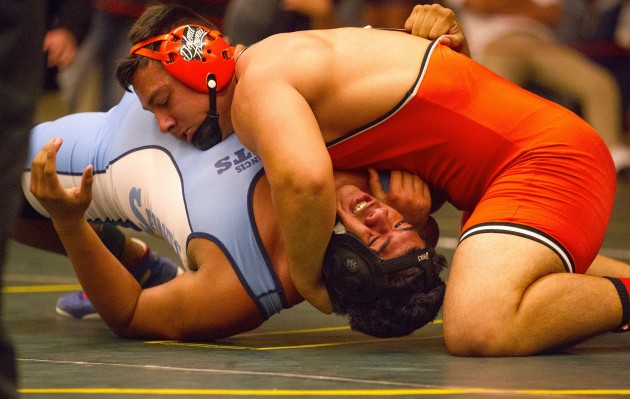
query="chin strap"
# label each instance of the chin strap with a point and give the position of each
(209, 133)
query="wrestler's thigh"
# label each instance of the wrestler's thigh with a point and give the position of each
(489, 275)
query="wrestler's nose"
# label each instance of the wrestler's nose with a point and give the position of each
(378, 220)
(165, 122)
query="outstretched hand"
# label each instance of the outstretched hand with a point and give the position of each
(433, 21)
(61, 204)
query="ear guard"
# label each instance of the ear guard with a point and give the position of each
(191, 52)
(357, 274)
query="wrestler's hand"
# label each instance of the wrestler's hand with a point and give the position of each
(63, 205)
(408, 194)
(432, 21)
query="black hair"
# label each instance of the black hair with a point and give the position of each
(406, 303)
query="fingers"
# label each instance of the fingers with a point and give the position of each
(395, 181)
(404, 188)
(50, 164)
(420, 187)
(87, 179)
(375, 185)
(404, 181)
(42, 171)
(411, 19)
(434, 21)
(430, 21)
(399, 187)
(61, 204)
(456, 42)
(411, 182)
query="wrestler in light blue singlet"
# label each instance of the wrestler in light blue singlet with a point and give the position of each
(153, 182)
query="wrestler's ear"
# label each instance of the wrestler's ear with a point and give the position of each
(430, 233)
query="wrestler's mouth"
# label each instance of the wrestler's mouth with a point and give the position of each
(360, 206)
(360, 203)
(187, 135)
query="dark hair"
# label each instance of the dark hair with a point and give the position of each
(403, 306)
(156, 20)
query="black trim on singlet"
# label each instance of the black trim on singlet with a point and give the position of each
(279, 289)
(526, 232)
(410, 93)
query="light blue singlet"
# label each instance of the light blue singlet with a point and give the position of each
(153, 182)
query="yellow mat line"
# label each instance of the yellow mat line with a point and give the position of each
(302, 331)
(41, 288)
(308, 330)
(268, 333)
(271, 348)
(323, 392)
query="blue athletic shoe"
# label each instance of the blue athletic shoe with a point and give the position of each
(153, 270)
(76, 305)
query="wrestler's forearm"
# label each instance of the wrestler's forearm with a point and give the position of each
(283, 131)
(306, 216)
(303, 194)
(111, 288)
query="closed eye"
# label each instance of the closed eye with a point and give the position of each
(373, 240)
(396, 226)
(400, 225)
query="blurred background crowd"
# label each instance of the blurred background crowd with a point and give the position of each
(574, 52)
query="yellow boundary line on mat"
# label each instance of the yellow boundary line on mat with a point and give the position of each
(21, 289)
(272, 348)
(322, 392)
(302, 346)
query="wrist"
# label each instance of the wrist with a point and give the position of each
(67, 225)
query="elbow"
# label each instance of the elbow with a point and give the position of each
(309, 182)
(310, 185)
(124, 331)
(163, 332)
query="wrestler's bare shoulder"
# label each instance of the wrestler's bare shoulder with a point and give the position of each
(334, 70)
(371, 48)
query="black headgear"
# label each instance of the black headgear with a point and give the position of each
(358, 274)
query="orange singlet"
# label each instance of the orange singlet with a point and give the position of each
(513, 162)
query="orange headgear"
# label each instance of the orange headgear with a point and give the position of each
(190, 53)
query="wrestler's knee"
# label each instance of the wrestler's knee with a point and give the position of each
(471, 334)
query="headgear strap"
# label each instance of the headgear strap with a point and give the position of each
(357, 274)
